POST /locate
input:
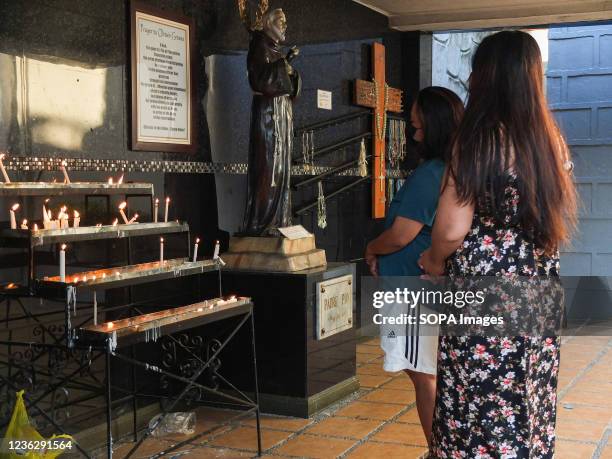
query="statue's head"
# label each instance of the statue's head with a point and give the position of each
(275, 25)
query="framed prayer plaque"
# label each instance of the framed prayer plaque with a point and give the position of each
(162, 71)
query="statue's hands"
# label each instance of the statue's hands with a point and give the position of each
(293, 53)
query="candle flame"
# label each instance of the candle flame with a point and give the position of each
(115, 222)
(11, 286)
(122, 205)
(167, 199)
(110, 325)
(64, 163)
(76, 214)
(161, 239)
(47, 200)
(197, 240)
(110, 181)
(103, 275)
(120, 181)
(24, 222)
(15, 207)
(156, 200)
(64, 246)
(35, 227)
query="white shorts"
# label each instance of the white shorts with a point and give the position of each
(409, 347)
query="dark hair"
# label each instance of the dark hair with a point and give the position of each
(440, 111)
(508, 125)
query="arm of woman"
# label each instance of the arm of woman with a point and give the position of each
(453, 222)
(399, 235)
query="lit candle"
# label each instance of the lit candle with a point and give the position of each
(115, 221)
(95, 308)
(62, 263)
(156, 210)
(110, 325)
(45, 214)
(216, 253)
(35, 227)
(161, 251)
(77, 219)
(121, 208)
(12, 215)
(64, 171)
(63, 218)
(24, 224)
(120, 181)
(195, 250)
(133, 219)
(4, 174)
(166, 213)
(110, 180)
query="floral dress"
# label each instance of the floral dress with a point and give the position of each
(496, 395)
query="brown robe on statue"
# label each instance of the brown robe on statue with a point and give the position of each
(271, 137)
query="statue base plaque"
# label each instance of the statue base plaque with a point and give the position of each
(274, 254)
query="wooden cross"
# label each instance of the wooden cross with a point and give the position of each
(365, 96)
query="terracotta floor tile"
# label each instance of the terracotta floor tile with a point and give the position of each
(369, 349)
(370, 450)
(366, 358)
(579, 412)
(373, 380)
(205, 452)
(607, 452)
(400, 384)
(372, 369)
(278, 422)
(407, 434)
(365, 410)
(344, 427)
(245, 437)
(313, 446)
(580, 430)
(147, 449)
(402, 397)
(571, 450)
(588, 398)
(411, 417)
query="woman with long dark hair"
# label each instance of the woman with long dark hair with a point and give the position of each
(507, 204)
(434, 117)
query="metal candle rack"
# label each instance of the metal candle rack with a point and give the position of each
(81, 343)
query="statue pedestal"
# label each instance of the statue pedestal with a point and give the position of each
(274, 254)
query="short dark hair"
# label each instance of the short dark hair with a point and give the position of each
(440, 111)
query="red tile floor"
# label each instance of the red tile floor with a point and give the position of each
(380, 421)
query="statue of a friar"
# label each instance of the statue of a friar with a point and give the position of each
(275, 83)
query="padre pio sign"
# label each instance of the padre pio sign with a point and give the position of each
(163, 93)
(334, 306)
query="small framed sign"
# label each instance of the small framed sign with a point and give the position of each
(334, 306)
(162, 72)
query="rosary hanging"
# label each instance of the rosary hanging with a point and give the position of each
(363, 162)
(321, 209)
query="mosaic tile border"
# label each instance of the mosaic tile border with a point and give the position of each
(171, 167)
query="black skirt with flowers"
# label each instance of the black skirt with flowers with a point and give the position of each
(496, 396)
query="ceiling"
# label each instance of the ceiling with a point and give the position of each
(428, 15)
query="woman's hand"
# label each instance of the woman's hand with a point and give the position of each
(372, 261)
(430, 266)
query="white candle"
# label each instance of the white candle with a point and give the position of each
(120, 181)
(161, 251)
(24, 224)
(45, 213)
(133, 219)
(115, 221)
(95, 308)
(195, 250)
(62, 263)
(35, 227)
(121, 208)
(65, 172)
(110, 180)
(156, 210)
(63, 218)
(166, 213)
(12, 215)
(77, 219)
(4, 174)
(216, 253)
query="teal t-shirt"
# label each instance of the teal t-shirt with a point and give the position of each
(417, 200)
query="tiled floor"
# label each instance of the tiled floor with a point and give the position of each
(381, 420)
